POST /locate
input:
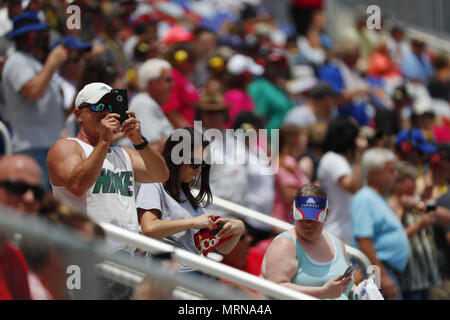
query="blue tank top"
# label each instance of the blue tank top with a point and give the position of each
(315, 274)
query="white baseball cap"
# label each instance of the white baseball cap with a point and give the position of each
(92, 93)
(240, 63)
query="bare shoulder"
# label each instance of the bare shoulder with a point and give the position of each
(280, 248)
(63, 148)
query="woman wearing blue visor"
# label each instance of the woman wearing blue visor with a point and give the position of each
(305, 258)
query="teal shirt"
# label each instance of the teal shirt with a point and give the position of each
(270, 101)
(315, 274)
(372, 217)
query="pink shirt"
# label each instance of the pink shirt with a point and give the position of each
(239, 101)
(288, 175)
(182, 96)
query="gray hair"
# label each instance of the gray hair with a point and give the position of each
(151, 70)
(375, 159)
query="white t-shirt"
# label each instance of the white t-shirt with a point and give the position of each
(300, 116)
(260, 194)
(36, 124)
(332, 166)
(228, 176)
(111, 197)
(154, 124)
(153, 196)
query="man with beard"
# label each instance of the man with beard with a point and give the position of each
(33, 100)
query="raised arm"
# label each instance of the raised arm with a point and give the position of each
(68, 165)
(36, 87)
(148, 164)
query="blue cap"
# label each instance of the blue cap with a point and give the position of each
(26, 22)
(72, 42)
(310, 208)
(416, 139)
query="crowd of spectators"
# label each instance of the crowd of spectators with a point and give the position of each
(365, 116)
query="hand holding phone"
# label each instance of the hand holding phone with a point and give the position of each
(349, 271)
(119, 103)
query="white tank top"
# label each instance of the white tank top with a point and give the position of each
(111, 198)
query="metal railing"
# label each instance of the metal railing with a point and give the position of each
(6, 138)
(203, 264)
(93, 261)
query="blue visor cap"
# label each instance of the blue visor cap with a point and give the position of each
(310, 208)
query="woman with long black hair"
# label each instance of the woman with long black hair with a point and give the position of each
(170, 210)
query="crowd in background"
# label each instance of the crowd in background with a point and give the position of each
(232, 65)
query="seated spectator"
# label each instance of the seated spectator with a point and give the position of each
(306, 258)
(155, 82)
(439, 86)
(240, 69)
(396, 45)
(389, 122)
(20, 189)
(376, 229)
(411, 146)
(178, 108)
(70, 72)
(340, 71)
(343, 147)
(289, 177)
(269, 93)
(421, 272)
(228, 176)
(317, 108)
(260, 176)
(171, 211)
(314, 44)
(309, 161)
(416, 65)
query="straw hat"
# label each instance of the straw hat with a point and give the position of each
(211, 101)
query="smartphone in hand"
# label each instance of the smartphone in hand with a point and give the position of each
(119, 103)
(349, 271)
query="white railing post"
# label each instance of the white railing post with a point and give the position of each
(6, 138)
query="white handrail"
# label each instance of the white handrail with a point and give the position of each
(205, 265)
(6, 137)
(278, 224)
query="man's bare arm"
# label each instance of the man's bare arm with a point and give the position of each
(69, 168)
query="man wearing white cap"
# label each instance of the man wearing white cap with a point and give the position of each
(98, 179)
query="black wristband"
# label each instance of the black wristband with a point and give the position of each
(142, 145)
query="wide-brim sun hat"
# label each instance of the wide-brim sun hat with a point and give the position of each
(26, 22)
(211, 101)
(92, 93)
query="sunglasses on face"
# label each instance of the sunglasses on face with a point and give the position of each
(98, 107)
(19, 188)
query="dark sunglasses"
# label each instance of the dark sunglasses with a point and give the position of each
(194, 165)
(19, 188)
(98, 107)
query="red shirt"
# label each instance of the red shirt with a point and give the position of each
(13, 274)
(182, 96)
